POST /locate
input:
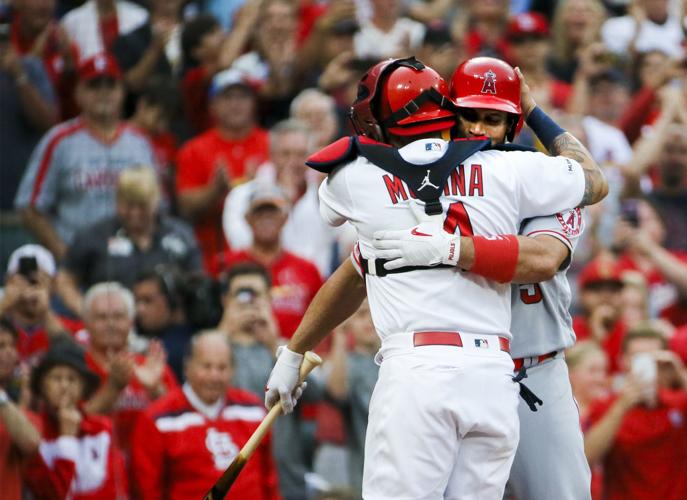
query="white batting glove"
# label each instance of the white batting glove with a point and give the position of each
(283, 382)
(426, 244)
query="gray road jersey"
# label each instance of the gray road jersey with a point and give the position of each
(72, 175)
(541, 320)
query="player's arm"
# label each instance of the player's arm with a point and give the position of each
(539, 257)
(561, 143)
(336, 301)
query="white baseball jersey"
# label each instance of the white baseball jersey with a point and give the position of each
(541, 321)
(491, 193)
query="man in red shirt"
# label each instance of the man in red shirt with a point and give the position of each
(26, 302)
(600, 286)
(189, 437)
(35, 32)
(295, 281)
(224, 156)
(129, 382)
(640, 433)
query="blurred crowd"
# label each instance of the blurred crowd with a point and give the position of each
(161, 235)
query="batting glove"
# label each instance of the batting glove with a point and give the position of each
(283, 382)
(426, 244)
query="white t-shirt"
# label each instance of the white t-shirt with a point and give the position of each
(617, 33)
(371, 42)
(497, 190)
(83, 25)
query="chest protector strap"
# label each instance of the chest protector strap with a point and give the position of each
(425, 181)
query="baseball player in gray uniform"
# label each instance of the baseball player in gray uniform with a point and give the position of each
(550, 461)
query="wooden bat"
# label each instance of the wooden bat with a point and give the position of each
(224, 483)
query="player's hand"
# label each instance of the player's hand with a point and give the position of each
(526, 98)
(426, 244)
(283, 382)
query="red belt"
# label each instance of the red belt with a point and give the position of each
(452, 338)
(538, 359)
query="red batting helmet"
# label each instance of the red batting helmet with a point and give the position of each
(488, 83)
(401, 96)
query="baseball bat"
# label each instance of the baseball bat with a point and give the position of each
(229, 476)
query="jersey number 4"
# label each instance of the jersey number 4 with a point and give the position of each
(457, 218)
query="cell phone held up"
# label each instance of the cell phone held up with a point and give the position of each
(628, 212)
(28, 268)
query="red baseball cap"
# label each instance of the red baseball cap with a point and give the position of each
(101, 65)
(528, 24)
(600, 270)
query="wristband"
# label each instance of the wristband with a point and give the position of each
(544, 127)
(496, 257)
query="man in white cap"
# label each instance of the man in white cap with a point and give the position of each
(26, 299)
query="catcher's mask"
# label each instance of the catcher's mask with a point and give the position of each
(402, 97)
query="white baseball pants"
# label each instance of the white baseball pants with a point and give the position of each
(443, 422)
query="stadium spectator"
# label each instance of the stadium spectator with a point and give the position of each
(153, 48)
(249, 324)
(588, 369)
(639, 433)
(271, 65)
(329, 46)
(639, 235)
(210, 165)
(528, 36)
(95, 25)
(665, 152)
(318, 111)
(77, 456)
(128, 382)
(157, 114)
(136, 239)
(70, 180)
(29, 108)
(352, 377)
(161, 313)
(290, 142)
(439, 49)
(656, 83)
(19, 438)
(192, 434)
(599, 288)
(575, 24)
(35, 33)
(483, 26)
(647, 26)
(634, 299)
(26, 301)
(387, 33)
(294, 279)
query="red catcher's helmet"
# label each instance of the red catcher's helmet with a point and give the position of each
(488, 83)
(401, 96)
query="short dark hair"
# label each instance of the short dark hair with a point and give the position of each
(644, 330)
(243, 269)
(162, 93)
(192, 35)
(7, 326)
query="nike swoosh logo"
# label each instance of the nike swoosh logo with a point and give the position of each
(415, 232)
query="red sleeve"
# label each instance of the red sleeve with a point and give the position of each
(637, 113)
(191, 169)
(560, 94)
(147, 460)
(194, 90)
(53, 481)
(599, 408)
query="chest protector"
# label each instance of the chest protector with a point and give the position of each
(426, 181)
